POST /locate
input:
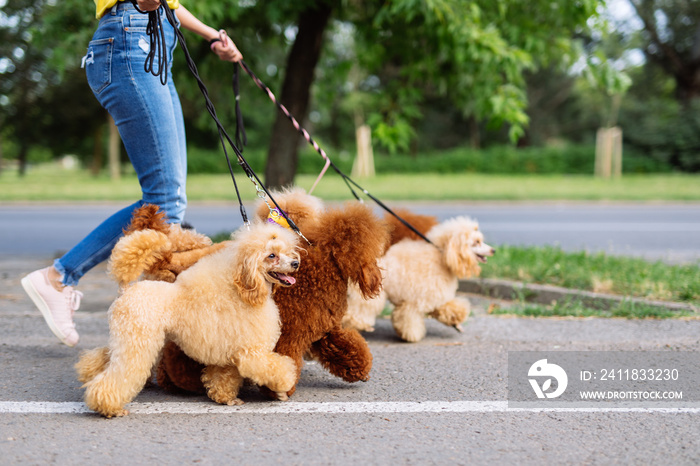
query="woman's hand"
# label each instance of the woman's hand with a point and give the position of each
(148, 5)
(226, 49)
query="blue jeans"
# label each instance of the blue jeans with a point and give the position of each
(149, 118)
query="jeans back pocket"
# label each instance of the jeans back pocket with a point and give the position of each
(98, 64)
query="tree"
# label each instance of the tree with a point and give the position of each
(44, 98)
(672, 41)
(282, 156)
(473, 52)
(469, 54)
(22, 72)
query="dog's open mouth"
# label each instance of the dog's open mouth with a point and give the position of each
(282, 279)
(480, 258)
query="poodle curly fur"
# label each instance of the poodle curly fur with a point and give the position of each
(421, 279)
(345, 246)
(219, 311)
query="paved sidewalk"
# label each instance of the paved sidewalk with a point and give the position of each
(338, 423)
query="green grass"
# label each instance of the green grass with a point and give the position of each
(622, 276)
(50, 183)
(597, 272)
(625, 310)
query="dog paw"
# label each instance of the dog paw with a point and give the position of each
(225, 399)
(281, 396)
(286, 376)
(117, 413)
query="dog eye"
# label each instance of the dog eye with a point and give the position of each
(271, 256)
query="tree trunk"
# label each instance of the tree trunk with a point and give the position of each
(282, 157)
(114, 149)
(97, 152)
(22, 157)
(474, 133)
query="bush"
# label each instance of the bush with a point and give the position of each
(201, 161)
(213, 161)
(573, 159)
(664, 132)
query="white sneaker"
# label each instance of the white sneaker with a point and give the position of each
(57, 307)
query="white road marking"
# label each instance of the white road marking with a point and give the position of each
(46, 407)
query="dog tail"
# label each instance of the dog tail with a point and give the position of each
(399, 231)
(137, 253)
(148, 217)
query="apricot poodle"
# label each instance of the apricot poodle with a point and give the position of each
(362, 313)
(345, 244)
(421, 279)
(220, 312)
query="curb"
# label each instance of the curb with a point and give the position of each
(548, 294)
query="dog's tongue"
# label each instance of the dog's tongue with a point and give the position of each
(286, 278)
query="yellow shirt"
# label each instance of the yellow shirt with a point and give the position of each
(104, 5)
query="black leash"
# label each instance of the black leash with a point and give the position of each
(157, 30)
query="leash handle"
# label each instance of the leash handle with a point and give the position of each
(157, 45)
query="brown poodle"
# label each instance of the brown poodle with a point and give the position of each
(219, 311)
(345, 246)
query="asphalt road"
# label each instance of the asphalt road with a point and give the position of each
(443, 400)
(670, 232)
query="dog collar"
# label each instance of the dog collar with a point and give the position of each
(275, 217)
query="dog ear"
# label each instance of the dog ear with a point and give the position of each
(357, 238)
(458, 257)
(370, 281)
(247, 277)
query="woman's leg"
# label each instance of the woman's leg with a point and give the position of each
(149, 118)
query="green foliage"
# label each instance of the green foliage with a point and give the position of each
(209, 161)
(664, 131)
(670, 41)
(45, 100)
(565, 159)
(472, 53)
(395, 58)
(604, 76)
